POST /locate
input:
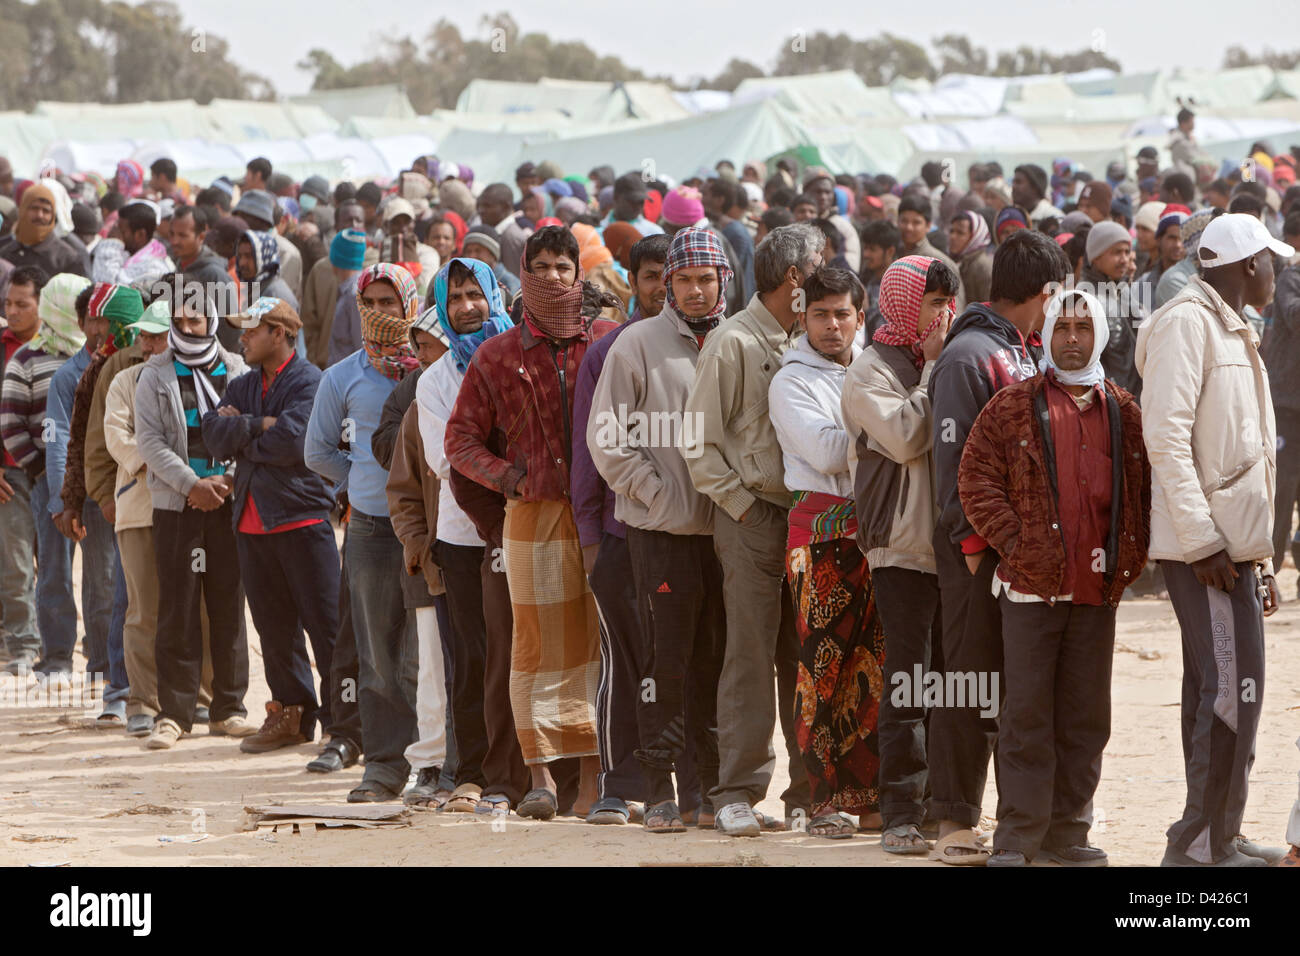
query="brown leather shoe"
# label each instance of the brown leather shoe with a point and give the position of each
(280, 729)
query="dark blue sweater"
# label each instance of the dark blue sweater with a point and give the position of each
(270, 463)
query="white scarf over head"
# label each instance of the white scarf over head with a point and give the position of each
(1092, 373)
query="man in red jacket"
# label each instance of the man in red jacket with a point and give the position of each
(517, 396)
(1054, 476)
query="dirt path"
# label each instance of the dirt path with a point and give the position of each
(86, 796)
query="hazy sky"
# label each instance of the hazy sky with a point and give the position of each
(270, 38)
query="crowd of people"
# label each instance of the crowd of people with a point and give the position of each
(629, 472)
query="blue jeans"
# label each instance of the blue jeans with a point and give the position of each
(100, 569)
(17, 568)
(386, 648)
(56, 609)
(119, 685)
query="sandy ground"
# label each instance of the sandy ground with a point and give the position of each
(72, 794)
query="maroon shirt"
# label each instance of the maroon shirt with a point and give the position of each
(1083, 486)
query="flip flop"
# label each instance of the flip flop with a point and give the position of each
(903, 832)
(538, 804)
(493, 804)
(608, 811)
(770, 824)
(961, 839)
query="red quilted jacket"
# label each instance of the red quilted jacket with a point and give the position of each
(1007, 492)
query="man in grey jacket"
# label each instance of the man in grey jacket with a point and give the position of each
(194, 536)
(639, 440)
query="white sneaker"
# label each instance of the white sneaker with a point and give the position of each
(165, 733)
(738, 820)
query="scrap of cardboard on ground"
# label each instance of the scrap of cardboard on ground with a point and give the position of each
(311, 817)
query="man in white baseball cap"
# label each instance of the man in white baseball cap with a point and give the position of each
(1211, 441)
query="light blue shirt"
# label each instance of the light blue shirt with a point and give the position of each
(348, 402)
(642, 224)
(58, 409)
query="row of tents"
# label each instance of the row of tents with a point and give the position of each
(832, 118)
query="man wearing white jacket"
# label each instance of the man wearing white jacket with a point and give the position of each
(640, 438)
(1209, 431)
(841, 646)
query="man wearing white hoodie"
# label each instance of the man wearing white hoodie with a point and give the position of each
(1211, 437)
(841, 645)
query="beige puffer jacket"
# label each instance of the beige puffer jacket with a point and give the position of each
(131, 492)
(887, 414)
(1207, 419)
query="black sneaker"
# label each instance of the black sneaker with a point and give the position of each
(201, 715)
(1178, 858)
(423, 793)
(1085, 855)
(1007, 858)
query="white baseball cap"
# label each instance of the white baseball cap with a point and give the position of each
(1236, 236)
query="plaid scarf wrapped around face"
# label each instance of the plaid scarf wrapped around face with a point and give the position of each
(694, 249)
(379, 329)
(902, 288)
(552, 306)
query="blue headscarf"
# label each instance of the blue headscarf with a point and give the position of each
(463, 347)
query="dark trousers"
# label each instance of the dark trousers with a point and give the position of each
(1223, 646)
(462, 573)
(503, 764)
(621, 643)
(345, 710)
(960, 739)
(291, 579)
(678, 581)
(197, 561)
(1288, 486)
(1054, 722)
(908, 604)
(386, 648)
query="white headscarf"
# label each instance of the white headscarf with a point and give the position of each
(1092, 373)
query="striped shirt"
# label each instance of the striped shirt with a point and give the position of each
(22, 406)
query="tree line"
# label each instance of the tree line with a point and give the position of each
(114, 52)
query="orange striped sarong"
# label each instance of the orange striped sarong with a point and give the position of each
(555, 657)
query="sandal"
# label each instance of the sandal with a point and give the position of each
(664, 818)
(635, 812)
(909, 835)
(464, 799)
(771, 824)
(538, 804)
(961, 840)
(838, 826)
(496, 803)
(608, 810)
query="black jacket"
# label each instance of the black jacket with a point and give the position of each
(983, 354)
(52, 255)
(270, 464)
(1281, 348)
(383, 441)
(1123, 317)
